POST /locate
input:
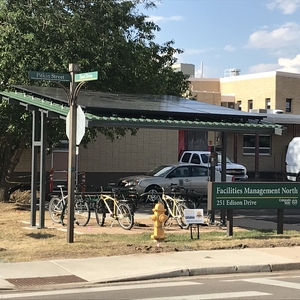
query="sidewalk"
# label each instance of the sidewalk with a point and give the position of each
(80, 272)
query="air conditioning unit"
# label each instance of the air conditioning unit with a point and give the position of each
(258, 111)
(275, 111)
(266, 111)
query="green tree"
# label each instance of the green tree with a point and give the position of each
(108, 36)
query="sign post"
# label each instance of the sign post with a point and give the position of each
(74, 134)
(74, 91)
(73, 69)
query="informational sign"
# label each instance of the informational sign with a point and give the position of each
(253, 195)
(49, 76)
(86, 76)
(194, 216)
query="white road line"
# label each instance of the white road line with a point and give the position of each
(98, 289)
(274, 282)
(231, 295)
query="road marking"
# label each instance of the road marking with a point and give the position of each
(230, 295)
(274, 282)
(99, 289)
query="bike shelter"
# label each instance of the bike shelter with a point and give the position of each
(128, 111)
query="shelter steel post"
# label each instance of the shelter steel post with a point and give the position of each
(212, 179)
(256, 155)
(223, 174)
(42, 171)
(38, 141)
(34, 151)
(73, 69)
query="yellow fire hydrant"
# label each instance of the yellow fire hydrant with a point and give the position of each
(159, 218)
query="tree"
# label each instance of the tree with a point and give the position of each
(108, 36)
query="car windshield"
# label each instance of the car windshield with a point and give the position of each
(159, 171)
(220, 159)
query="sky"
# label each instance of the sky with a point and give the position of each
(251, 35)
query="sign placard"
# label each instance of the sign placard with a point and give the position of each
(194, 216)
(86, 76)
(49, 76)
(80, 129)
(253, 195)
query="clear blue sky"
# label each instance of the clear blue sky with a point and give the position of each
(250, 35)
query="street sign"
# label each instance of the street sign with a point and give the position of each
(49, 76)
(80, 128)
(86, 76)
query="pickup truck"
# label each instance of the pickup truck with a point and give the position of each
(202, 158)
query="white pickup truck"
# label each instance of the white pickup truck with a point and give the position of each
(202, 157)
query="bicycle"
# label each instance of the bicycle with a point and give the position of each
(193, 199)
(58, 209)
(56, 205)
(117, 208)
(174, 206)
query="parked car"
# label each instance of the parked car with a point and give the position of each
(188, 176)
(202, 158)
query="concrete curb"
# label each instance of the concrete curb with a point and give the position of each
(285, 267)
(265, 268)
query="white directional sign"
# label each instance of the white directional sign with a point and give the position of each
(80, 128)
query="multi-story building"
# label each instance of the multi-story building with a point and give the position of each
(270, 93)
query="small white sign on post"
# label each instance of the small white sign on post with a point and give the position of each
(194, 216)
(80, 128)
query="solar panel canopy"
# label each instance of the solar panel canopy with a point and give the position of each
(135, 105)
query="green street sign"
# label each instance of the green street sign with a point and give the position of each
(253, 195)
(49, 76)
(86, 76)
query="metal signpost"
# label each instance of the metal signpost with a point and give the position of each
(72, 96)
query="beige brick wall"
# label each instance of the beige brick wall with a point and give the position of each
(267, 163)
(25, 162)
(288, 87)
(205, 84)
(208, 97)
(140, 153)
(148, 149)
(256, 89)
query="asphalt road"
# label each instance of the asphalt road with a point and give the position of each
(264, 286)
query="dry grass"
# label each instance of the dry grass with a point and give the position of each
(19, 242)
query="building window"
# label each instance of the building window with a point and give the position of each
(239, 105)
(288, 105)
(268, 103)
(264, 144)
(231, 105)
(250, 104)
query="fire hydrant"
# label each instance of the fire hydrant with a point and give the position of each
(159, 219)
